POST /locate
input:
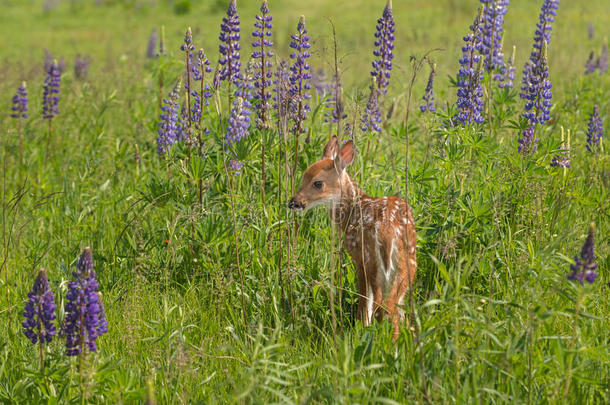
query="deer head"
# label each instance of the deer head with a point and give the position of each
(324, 181)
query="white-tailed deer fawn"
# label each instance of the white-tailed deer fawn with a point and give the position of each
(378, 233)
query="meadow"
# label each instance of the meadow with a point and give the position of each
(215, 292)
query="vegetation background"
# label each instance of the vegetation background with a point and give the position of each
(499, 322)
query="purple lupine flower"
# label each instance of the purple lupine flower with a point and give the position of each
(192, 73)
(300, 75)
(562, 159)
(528, 142)
(81, 66)
(590, 30)
(371, 119)
(20, 102)
(595, 130)
(204, 67)
(50, 95)
(492, 32)
(85, 317)
(602, 61)
(384, 49)
(321, 83)
(591, 64)
(170, 125)
(506, 75)
(470, 75)
(161, 43)
(151, 48)
(584, 266)
(262, 55)
(239, 121)
(536, 88)
(428, 97)
(235, 166)
(334, 104)
(39, 312)
(229, 45)
(49, 59)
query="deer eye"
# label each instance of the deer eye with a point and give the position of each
(318, 184)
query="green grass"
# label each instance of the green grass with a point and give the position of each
(499, 322)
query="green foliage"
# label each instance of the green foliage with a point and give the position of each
(498, 321)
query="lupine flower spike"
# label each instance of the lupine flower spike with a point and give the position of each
(428, 97)
(151, 48)
(563, 158)
(591, 64)
(506, 75)
(493, 30)
(584, 266)
(536, 87)
(602, 61)
(192, 71)
(20, 102)
(371, 119)
(50, 95)
(262, 55)
(170, 126)
(334, 105)
(595, 130)
(300, 76)
(384, 49)
(229, 46)
(470, 75)
(39, 314)
(85, 317)
(81, 66)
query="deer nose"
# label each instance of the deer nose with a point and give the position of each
(293, 204)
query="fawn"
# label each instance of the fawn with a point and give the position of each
(378, 233)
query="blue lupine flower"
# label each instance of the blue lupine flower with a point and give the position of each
(39, 312)
(428, 97)
(81, 66)
(384, 49)
(591, 64)
(20, 102)
(235, 166)
(229, 45)
(584, 266)
(151, 48)
(595, 130)
(239, 121)
(470, 93)
(50, 95)
(85, 317)
(300, 75)
(170, 125)
(602, 61)
(371, 119)
(282, 100)
(562, 159)
(528, 142)
(492, 33)
(334, 104)
(262, 55)
(204, 67)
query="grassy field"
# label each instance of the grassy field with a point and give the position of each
(498, 320)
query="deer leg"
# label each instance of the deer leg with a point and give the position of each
(363, 297)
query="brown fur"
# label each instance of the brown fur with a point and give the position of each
(378, 233)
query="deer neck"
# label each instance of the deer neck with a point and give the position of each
(345, 207)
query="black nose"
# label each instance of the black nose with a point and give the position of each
(293, 204)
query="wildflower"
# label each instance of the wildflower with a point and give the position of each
(283, 102)
(239, 121)
(50, 95)
(152, 44)
(235, 166)
(334, 104)
(428, 97)
(528, 142)
(39, 312)
(299, 77)
(204, 67)
(384, 48)
(321, 83)
(85, 316)
(591, 64)
(595, 129)
(81, 66)
(602, 61)
(371, 119)
(584, 266)
(169, 127)
(262, 55)
(563, 158)
(492, 31)
(229, 45)
(20, 102)
(590, 30)
(49, 59)
(470, 93)
(506, 74)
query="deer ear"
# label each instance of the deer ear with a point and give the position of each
(345, 157)
(331, 148)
